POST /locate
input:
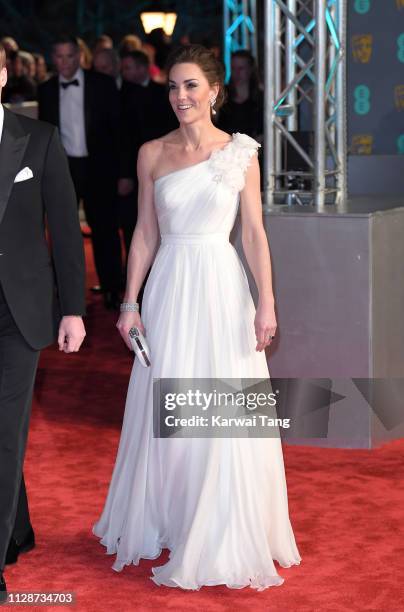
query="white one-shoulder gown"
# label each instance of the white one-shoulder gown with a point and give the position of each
(219, 504)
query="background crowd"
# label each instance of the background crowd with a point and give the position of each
(107, 101)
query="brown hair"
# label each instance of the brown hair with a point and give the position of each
(140, 57)
(212, 68)
(2, 57)
(130, 42)
(86, 56)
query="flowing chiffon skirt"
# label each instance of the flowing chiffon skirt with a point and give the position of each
(219, 505)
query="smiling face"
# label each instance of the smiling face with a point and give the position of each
(190, 92)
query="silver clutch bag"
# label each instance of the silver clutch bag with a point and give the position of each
(140, 346)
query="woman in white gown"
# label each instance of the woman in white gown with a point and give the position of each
(219, 504)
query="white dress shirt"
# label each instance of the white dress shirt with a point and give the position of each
(1, 120)
(71, 112)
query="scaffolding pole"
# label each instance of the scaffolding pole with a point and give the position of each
(305, 43)
(239, 29)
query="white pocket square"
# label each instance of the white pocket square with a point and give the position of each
(23, 175)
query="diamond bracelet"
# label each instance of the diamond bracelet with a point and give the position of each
(129, 307)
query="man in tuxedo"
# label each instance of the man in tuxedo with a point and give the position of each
(145, 104)
(35, 187)
(84, 105)
(106, 61)
(145, 114)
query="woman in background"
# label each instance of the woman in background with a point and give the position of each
(243, 111)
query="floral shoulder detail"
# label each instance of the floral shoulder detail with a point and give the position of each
(230, 163)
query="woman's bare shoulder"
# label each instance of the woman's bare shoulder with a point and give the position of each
(152, 150)
(223, 137)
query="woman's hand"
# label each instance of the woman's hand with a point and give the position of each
(126, 321)
(265, 325)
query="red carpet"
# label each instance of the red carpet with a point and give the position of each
(347, 507)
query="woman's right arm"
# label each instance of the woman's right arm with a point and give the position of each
(145, 240)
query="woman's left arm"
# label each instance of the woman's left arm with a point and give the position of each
(256, 249)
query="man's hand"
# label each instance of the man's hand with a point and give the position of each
(125, 186)
(71, 334)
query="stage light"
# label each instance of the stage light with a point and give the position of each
(153, 20)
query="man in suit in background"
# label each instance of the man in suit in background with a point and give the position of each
(35, 185)
(106, 61)
(145, 104)
(145, 114)
(84, 105)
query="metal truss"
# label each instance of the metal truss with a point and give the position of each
(305, 73)
(239, 29)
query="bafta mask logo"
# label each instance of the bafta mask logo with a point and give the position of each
(362, 47)
(362, 144)
(362, 6)
(400, 144)
(399, 97)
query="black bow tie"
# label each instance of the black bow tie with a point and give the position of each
(66, 84)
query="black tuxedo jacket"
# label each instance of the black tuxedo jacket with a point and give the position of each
(145, 114)
(101, 118)
(39, 285)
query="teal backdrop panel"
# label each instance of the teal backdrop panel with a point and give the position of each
(375, 65)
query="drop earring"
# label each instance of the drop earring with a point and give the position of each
(212, 104)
